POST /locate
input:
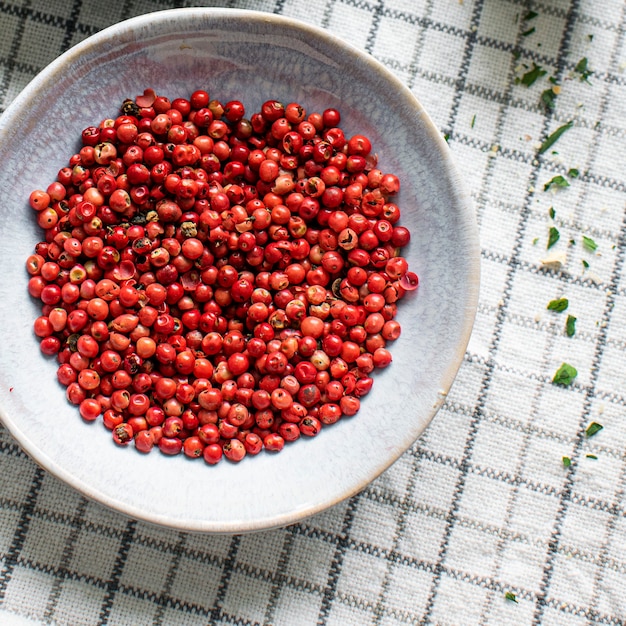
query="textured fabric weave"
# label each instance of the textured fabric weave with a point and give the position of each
(482, 506)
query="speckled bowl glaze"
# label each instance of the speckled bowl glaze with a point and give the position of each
(253, 57)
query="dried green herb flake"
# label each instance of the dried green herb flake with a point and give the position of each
(548, 98)
(558, 305)
(565, 375)
(582, 68)
(570, 326)
(554, 137)
(557, 181)
(553, 236)
(532, 75)
(589, 244)
(593, 429)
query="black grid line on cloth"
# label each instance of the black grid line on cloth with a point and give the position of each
(486, 582)
(502, 539)
(604, 561)
(602, 558)
(19, 536)
(404, 506)
(70, 24)
(470, 44)
(550, 327)
(280, 7)
(518, 538)
(328, 10)
(461, 79)
(373, 32)
(568, 488)
(497, 333)
(227, 572)
(189, 607)
(330, 590)
(51, 515)
(280, 578)
(412, 68)
(522, 460)
(563, 277)
(9, 446)
(24, 10)
(127, 9)
(113, 584)
(164, 600)
(171, 576)
(360, 4)
(527, 157)
(66, 557)
(10, 62)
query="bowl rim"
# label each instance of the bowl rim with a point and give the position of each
(125, 28)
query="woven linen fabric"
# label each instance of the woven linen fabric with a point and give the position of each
(483, 521)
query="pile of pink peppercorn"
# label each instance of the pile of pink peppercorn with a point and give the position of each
(215, 284)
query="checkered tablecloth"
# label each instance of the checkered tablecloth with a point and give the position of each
(508, 510)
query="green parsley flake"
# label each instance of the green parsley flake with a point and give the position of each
(589, 244)
(553, 236)
(573, 173)
(566, 461)
(582, 68)
(531, 76)
(551, 212)
(585, 264)
(593, 428)
(530, 31)
(511, 597)
(535, 241)
(570, 326)
(473, 121)
(553, 138)
(558, 182)
(558, 305)
(565, 375)
(548, 98)
(592, 456)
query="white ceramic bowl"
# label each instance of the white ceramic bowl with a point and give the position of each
(254, 57)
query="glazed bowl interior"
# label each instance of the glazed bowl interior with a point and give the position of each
(252, 57)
